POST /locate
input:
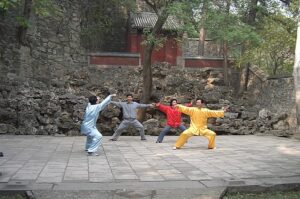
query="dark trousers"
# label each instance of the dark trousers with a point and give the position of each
(166, 130)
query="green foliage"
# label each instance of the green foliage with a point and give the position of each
(158, 42)
(44, 8)
(268, 42)
(293, 9)
(183, 10)
(39, 7)
(221, 25)
(6, 4)
(275, 52)
(229, 27)
(22, 22)
(267, 195)
(12, 195)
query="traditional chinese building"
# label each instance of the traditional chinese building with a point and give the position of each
(170, 51)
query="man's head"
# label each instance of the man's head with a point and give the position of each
(199, 102)
(94, 100)
(129, 97)
(173, 102)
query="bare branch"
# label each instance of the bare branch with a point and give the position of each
(151, 4)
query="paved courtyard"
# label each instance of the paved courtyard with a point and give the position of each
(60, 163)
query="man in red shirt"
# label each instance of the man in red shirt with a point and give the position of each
(173, 118)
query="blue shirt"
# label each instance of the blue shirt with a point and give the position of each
(91, 115)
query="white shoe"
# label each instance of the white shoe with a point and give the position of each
(175, 148)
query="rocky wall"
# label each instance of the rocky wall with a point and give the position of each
(34, 71)
(274, 100)
(51, 110)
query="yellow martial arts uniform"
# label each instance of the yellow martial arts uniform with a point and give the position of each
(198, 124)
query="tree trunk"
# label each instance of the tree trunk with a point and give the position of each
(147, 74)
(201, 42)
(252, 12)
(22, 29)
(251, 21)
(147, 68)
(225, 49)
(202, 30)
(225, 62)
(297, 77)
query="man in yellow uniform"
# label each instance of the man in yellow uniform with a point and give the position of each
(198, 126)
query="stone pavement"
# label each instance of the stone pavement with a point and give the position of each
(130, 168)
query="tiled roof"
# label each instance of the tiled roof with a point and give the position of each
(148, 19)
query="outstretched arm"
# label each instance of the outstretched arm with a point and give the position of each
(161, 107)
(189, 104)
(213, 113)
(144, 105)
(184, 109)
(118, 104)
(105, 102)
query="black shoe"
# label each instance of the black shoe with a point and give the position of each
(144, 139)
(92, 154)
(112, 140)
(158, 141)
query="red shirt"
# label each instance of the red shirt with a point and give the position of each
(173, 115)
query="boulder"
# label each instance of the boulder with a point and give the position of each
(3, 129)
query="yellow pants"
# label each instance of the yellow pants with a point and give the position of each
(185, 135)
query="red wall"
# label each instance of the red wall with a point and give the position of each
(199, 63)
(134, 61)
(114, 60)
(168, 53)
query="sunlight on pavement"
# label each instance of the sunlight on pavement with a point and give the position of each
(289, 151)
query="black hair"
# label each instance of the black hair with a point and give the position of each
(202, 101)
(129, 94)
(93, 99)
(171, 101)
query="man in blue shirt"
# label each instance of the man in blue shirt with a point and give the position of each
(88, 126)
(129, 117)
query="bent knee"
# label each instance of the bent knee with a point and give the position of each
(209, 133)
(187, 132)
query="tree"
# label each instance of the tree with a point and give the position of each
(25, 18)
(201, 29)
(182, 9)
(297, 75)
(250, 19)
(38, 7)
(225, 43)
(276, 30)
(161, 10)
(275, 51)
(225, 25)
